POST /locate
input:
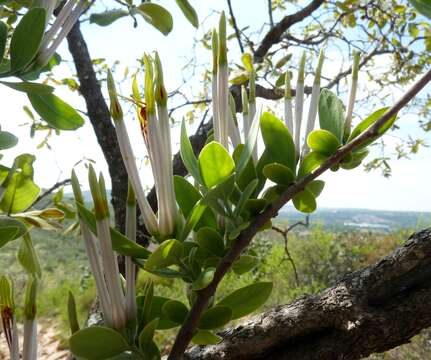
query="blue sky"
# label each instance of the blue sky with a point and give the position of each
(407, 189)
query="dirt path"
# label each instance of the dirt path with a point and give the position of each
(49, 347)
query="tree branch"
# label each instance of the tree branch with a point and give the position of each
(235, 26)
(188, 328)
(51, 190)
(274, 35)
(371, 310)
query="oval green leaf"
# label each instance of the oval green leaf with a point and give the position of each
(97, 343)
(166, 254)
(175, 311)
(331, 113)
(305, 201)
(204, 279)
(215, 317)
(247, 299)
(56, 112)
(7, 140)
(157, 16)
(279, 174)
(244, 264)
(211, 240)
(215, 164)
(189, 12)
(323, 141)
(205, 337)
(316, 187)
(310, 162)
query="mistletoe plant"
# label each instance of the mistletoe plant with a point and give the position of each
(205, 223)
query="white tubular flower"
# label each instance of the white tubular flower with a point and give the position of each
(314, 102)
(128, 156)
(216, 118)
(93, 254)
(7, 314)
(288, 108)
(64, 22)
(245, 109)
(109, 258)
(299, 103)
(234, 134)
(222, 84)
(353, 89)
(252, 107)
(131, 310)
(29, 351)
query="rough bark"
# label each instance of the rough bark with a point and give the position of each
(371, 310)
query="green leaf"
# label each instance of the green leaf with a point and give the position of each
(279, 144)
(120, 243)
(175, 311)
(370, 120)
(215, 317)
(19, 189)
(24, 48)
(215, 164)
(316, 187)
(166, 254)
(155, 311)
(187, 196)
(205, 337)
(147, 334)
(188, 156)
(204, 279)
(157, 16)
(331, 114)
(423, 6)
(323, 142)
(27, 257)
(10, 229)
(209, 239)
(189, 12)
(193, 219)
(7, 140)
(29, 87)
(56, 112)
(245, 196)
(305, 201)
(247, 60)
(72, 313)
(244, 174)
(247, 299)
(279, 174)
(244, 264)
(310, 162)
(108, 17)
(97, 343)
(3, 39)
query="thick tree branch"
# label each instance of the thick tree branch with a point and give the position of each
(371, 310)
(274, 35)
(188, 328)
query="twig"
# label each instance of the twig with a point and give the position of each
(271, 18)
(52, 189)
(237, 32)
(189, 326)
(284, 233)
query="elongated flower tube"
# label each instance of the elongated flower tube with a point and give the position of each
(299, 103)
(222, 84)
(93, 253)
(109, 258)
(288, 108)
(7, 314)
(233, 123)
(147, 212)
(245, 110)
(64, 22)
(131, 311)
(214, 89)
(252, 107)
(314, 102)
(29, 351)
(353, 89)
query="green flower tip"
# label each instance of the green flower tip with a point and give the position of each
(301, 70)
(98, 200)
(161, 95)
(355, 66)
(149, 85)
(222, 48)
(30, 309)
(214, 47)
(287, 85)
(6, 294)
(244, 97)
(76, 188)
(115, 107)
(320, 60)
